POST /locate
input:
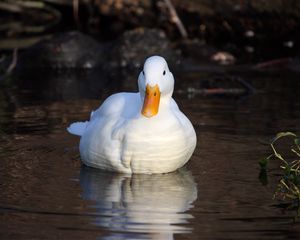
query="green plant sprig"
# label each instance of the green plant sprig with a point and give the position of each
(288, 187)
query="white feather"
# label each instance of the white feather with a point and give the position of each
(120, 138)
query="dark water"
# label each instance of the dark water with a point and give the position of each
(47, 194)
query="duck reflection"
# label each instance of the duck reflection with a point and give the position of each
(140, 206)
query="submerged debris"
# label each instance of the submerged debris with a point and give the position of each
(229, 86)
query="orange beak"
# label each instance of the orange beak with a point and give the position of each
(151, 101)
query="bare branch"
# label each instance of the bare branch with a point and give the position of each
(76, 11)
(13, 63)
(176, 19)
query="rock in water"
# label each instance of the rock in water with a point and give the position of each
(64, 50)
(134, 46)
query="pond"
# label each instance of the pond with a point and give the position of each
(47, 194)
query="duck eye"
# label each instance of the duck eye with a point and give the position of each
(164, 73)
(143, 72)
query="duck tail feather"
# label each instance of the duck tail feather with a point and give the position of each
(92, 113)
(77, 128)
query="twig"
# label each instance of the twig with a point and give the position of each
(2, 58)
(246, 85)
(13, 63)
(176, 19)
(274, 63)
(11, 66)
(76, 11)
(213, 91)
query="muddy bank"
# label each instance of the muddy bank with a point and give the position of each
(253, 30)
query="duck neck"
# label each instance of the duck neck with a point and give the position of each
(165, 101)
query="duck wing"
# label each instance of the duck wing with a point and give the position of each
(120, 105)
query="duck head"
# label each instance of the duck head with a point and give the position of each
(156, 84)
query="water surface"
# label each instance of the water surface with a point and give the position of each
(47, 194)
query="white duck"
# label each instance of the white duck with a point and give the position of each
(142, 132)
